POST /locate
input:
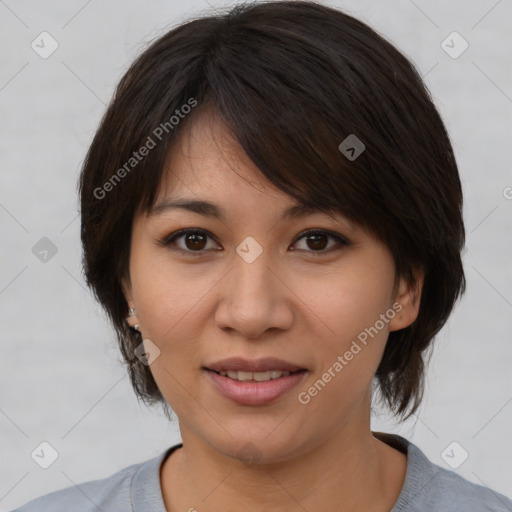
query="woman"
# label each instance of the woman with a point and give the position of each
(272, 219)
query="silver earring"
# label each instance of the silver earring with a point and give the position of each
(136, 327)
(131, 312)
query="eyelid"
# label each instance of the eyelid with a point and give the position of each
(321, 231)
(169, 239)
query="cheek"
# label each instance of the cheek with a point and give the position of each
(171, 302)
(169, 306)
(351, 305)
(165, 292)
(348, 359)
(352, 299)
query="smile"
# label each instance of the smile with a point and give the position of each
(256, 376)
(254, 388)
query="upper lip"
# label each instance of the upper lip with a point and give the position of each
(239, 364)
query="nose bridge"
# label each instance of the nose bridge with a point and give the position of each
(251, 302)
(252, 274)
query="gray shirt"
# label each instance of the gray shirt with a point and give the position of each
(136, 488)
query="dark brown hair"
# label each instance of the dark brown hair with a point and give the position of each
(291, 80)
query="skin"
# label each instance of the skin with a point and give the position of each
(295, 302)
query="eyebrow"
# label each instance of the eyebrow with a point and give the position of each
(209, 209)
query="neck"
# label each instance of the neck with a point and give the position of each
(351, 471)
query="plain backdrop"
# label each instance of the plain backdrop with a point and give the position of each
(61, 380)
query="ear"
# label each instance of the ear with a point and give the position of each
(127, 290)
(407, 301)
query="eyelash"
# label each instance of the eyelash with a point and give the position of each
(171, 239)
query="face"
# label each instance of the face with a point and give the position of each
(312, 290)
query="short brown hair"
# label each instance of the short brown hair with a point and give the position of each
(291, 80)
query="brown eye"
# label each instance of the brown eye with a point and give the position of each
(317, 241)
(192, 241)
(195, 241)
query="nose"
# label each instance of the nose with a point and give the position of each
(255, 298)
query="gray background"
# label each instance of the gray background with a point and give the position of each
(60, 376)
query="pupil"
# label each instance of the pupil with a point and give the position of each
(195, 238)
(315, 238)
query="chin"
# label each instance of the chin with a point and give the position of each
(260, 448)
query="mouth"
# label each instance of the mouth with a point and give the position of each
(264, 376)
(254, 382)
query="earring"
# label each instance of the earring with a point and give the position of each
(131, 312)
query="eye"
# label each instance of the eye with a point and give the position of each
(318, 239)
(195, 241)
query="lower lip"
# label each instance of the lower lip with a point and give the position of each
(253, 392)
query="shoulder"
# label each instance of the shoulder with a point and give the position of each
(449, 491)
(431, 488)
(110, 494)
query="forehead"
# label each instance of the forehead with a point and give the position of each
(206, 159)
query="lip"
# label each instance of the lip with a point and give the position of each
(254, 392)
(239, 364)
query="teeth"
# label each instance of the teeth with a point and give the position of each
(257, 376)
